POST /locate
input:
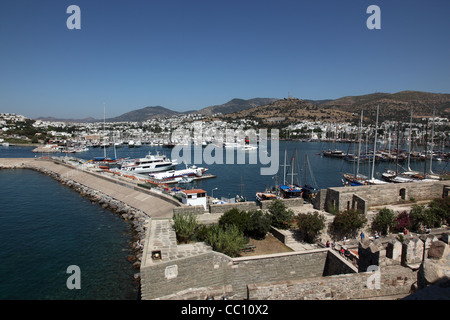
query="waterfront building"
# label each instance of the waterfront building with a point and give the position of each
(194, 197)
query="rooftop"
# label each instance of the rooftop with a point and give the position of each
(193, 191)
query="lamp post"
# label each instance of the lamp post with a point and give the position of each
(212, 192)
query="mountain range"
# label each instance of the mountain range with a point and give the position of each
(396, 106)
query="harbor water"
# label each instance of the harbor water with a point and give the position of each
(46, 227)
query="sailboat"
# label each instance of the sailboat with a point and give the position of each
(309, 191)
(372, 180)
(290, 190)
(356, 179)
(104, 161)
(411, 175)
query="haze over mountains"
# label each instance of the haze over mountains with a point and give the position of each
(395, 106)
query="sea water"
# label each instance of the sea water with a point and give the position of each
(46, 227)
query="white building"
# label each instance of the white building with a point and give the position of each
(194, 197)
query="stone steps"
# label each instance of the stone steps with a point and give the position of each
(293, 242)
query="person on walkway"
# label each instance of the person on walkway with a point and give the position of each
(376, 234)
(362, 235)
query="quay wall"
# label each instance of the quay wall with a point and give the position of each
(125, 182)
(222, 208)
(219, 209)
(364, 197)
(290, 203)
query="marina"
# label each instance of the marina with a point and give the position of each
(244, 180)
(127, 196)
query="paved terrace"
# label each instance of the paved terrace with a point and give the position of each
(153, 205)
(162, 237)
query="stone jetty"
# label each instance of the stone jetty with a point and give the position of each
(134, 204)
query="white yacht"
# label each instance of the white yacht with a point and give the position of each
(151, 163)
(177, 175)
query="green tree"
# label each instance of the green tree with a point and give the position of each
(440, 208)
(234, 217)
(258, 224)
(281, 216)
(310, 225)
(347, 223)
(421, 216)
(384, 221)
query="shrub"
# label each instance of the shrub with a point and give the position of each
(281, 217)
(440, 208)
(184, 226)
(347, 223)
(421, 216)
(402, 221)
(228, 241)
(258, 224)
(234, 217)
(384, 221)
(310, 225)
(201, 233)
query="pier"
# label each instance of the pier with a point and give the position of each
(154, 205)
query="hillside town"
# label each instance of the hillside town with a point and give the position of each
(17, 129)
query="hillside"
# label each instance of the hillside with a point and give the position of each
(291, 110)
(144, 114)
(394, 107)
(235, 105)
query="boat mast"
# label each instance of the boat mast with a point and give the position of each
(398, 141)
(284, 176)
(359, 145)
(292, 174)
(426, 147)
(410, 139)
(104, 120)
(306, 170)
(432, 143)
(375, 144)
(285, 165)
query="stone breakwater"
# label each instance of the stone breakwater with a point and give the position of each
(137, 218)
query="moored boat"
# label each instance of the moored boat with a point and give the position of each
(151, 163)
(193, 171)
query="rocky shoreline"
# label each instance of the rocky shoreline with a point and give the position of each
(136, 218)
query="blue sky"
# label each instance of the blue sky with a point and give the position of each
(190, 54)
